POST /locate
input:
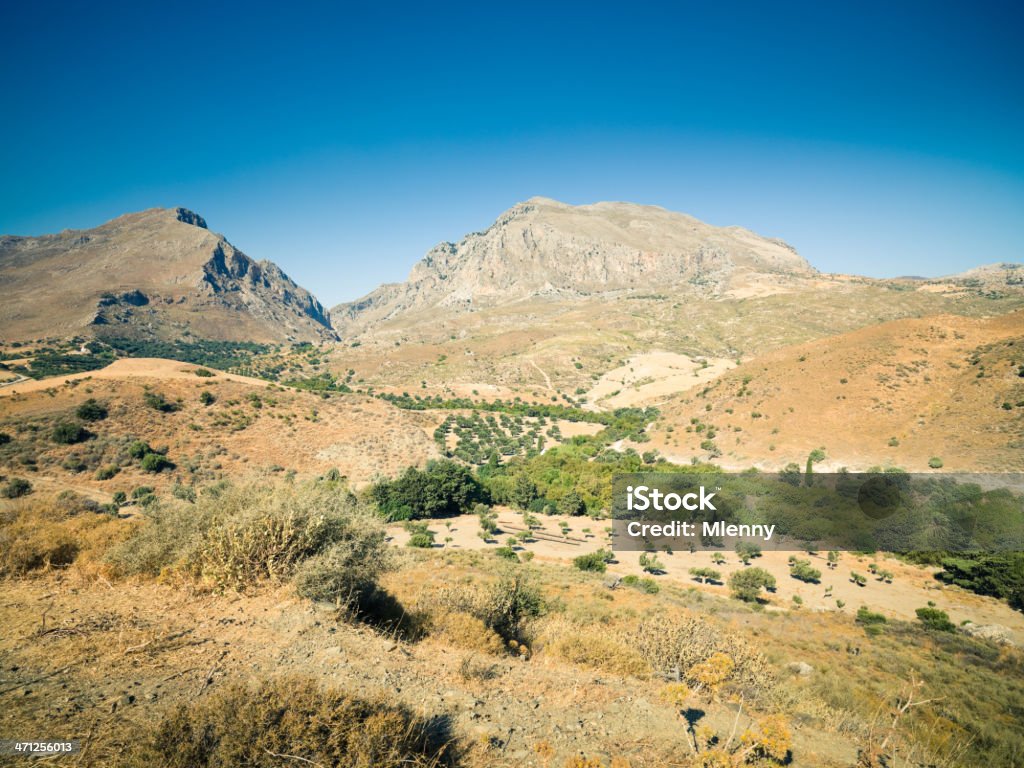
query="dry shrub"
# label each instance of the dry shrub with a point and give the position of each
(506, 605)
(684, 641)
(292, 721)
(590, 648)
(244, 534)
(466, 631)
(38, 534)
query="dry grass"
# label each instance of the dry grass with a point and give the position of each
(38, 534)
(289, 721)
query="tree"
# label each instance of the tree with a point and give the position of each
(790, 474)
(818, 454)
(523, 491)
(443, 489)
(747, 584)
(571, 504)
(858, 578)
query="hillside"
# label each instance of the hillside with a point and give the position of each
(895, 394)
(546, 248)
(244, 425)
(159, 273)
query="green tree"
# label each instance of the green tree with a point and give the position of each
(747, 584)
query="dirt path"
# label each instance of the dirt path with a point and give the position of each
(547, 379)
(135, 367)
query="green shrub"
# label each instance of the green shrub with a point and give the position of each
(802, 571)
(4, 438)
(705, 575)
(866, 617)
(158, 402)
(203, 373)
(935, 462)
(138, 449)
(935, 620)
(592, 561)
(107, 472)
(154, 462)
(17, 487)
(91, 410)
(421, 541)
(506, 553)
(69, 433)
(207, 398)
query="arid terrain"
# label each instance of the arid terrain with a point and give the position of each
(212, 484)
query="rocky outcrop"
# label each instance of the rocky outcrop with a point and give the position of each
(546, 248)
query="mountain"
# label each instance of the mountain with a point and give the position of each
(546, 248)
(158, 273)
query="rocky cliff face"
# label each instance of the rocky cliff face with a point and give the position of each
(543, 247)
(160, 272)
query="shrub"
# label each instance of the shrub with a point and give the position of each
(17, 487)
(506, 553)
(705, 575)
(505, 606)
(91, 410)
(69, 433)
(747, 584)
(935, 462)
(158, 402)
(935, 620)
(802, 571)
(247, 533)
(651, 564)
(592, 561)
(467, 631)
(867, 617)
(107, 472)
(154, 462)
(203, 373)
(595, 649)
(4, 438)
(421, 541)
(207, 398)
(290, 717)
(36, 535)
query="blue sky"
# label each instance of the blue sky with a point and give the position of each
(343, 140)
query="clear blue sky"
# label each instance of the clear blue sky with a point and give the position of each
(343, 140)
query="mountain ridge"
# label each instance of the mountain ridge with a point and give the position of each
(159, 272)
(545, 247)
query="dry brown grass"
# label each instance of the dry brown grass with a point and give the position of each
(38, 534)
(292, 720)
(466, 631)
